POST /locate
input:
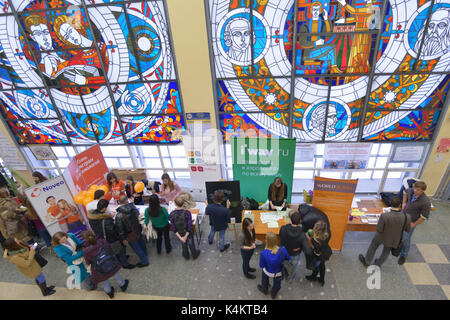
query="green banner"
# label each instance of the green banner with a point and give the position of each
(258, 161)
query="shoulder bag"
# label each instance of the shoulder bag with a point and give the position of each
(287, 268)
(396, 251)
(132, 236)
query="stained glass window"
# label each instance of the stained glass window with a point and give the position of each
(321, 70)
(88, 71)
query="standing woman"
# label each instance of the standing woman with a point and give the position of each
(131, 192)
(321, 251)
(160, 220)
(277, 194)
(169, 189)
(38, 177)
(111, 266)
(247, 239)
(22, 256)
(116, 187)
(65, 246)
(271, 261)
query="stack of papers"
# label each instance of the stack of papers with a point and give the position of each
(249, 214)
(357, 212)
(271, 218)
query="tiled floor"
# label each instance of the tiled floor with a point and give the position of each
(215, 275)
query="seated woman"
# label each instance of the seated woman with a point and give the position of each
(131, 192)
(277, 194)
(169, 189)
(116, 187)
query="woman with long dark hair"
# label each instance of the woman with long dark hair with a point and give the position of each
(160, 220)
(38, 177)
(169, 189)
(23, 257)
(247, 240)
(321, 251)
(277, 194)
(116, 187)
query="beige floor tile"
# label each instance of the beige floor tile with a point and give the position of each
(432, 253)
(446, 289)
(15, 291)
(421, 274)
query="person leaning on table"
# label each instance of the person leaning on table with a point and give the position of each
(277, 194)
(389, 230)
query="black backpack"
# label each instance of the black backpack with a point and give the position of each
(179, 220)
(105, 262)
(253, 204)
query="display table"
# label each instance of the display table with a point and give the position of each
(372, 209)
(261, 229)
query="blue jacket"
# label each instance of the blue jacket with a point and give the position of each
(219, 216)
(272, 262)
(64, 253)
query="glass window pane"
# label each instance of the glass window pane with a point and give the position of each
(63, 162)
(394, 182)
(164, 151)
(112, 163)
(60, 152)
(228, 150)
(230, 174)
(381, 162)
(177, 151)
(148, 151)
(361, 175)
(371, 163)
(303, 174)
(126, 163)
(182, 175)
(115, 151)
(230, 162)
(167, 163)
(385, 148)
(394, 175)
(320, 149)
(331, 174)
(304, 164)
(377, 174)
(179, 163)
(152, 162)
(397, 165)
(375, 148)
(71, 151)
(319, 162)
(155, 174)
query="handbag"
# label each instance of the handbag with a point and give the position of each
(132, 236)
(116, 246)
(287, 268)
(40, 259)
(396, 251)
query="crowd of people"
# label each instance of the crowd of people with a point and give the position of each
(103, 247)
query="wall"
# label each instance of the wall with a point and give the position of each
(434, 171)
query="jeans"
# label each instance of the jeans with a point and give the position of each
(373, 248)
(406, 242)
(40, 278)
(221, 237)
(75, 225)
(122, 255)
(276, 282)
(246, 256)
(191, 244)
(163, 232)
(320, 267)
(43, 233)
(107, 285)
(141, 249)
(295, 260)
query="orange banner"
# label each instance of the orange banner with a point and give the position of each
(334, 197)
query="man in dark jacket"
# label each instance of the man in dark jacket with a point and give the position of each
(389, 231)
(102, 224)
(293, 239)
(219, 216)
(310, 215)
(130, 230)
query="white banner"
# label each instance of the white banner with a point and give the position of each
(346, 155)
(54, 204)
(408, 154)
(10, 155)
(305, 152)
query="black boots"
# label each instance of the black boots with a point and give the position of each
(111, 293)
(46, 291)
(125, 286)
(273, 293)
(263, 289)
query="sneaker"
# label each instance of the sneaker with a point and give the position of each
(130, 266)
(141, 265)
(251, 270)
(250, 276)
(363, 260)
(125, 286)
(111, 293)
(401, 260)
(225, 247)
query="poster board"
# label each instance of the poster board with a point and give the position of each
(258, 161)
(334, 197)
(408, 153)
(346, 155)
(232, 192)
(54, 204)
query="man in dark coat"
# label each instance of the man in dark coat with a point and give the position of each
(389, 231)
(102, 224)
(310, 215)
(127, 222)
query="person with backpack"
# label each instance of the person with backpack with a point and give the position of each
(23, 257)
(102, 224)
(130, 230)
(271, 262)
(293, 238)
(181, 224)
(219, 216)
(12, 220)
(318, 241)
(160, 221)
(389, 232)
(104, 265)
